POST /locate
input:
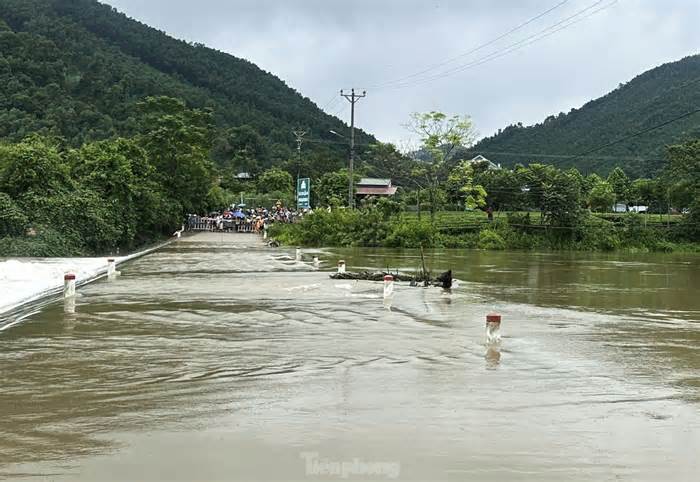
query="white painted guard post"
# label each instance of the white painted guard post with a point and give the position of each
(69, 285)
(493, 328)
(298, 254)
(341, 266)
(111, 267)
(388, 286)
(69, 305)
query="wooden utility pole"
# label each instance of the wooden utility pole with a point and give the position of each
(352, 98)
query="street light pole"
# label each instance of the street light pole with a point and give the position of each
(352, 98)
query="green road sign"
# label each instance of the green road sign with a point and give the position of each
(304, 193)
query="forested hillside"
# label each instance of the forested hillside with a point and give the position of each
(76, 69)
(650, 99)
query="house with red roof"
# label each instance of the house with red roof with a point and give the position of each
(375, 187)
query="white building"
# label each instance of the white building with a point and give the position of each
(481, 159)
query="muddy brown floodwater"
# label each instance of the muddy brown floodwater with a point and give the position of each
(217, 358)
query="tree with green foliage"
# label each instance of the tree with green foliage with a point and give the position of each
(332, 189)
(589, 182)
(34, 167)
(602, 197)
(82, 215)
(440, 135)
(561, 203)
(219, 199)
(502, 188)
(386, 161)
(533, 179)
(580, 180)
(462, 190)
(120, 172)
(684, 165)
(13, 221)
(275, 180)
(620, 184)
(643, 192)
(242, 149)
(92, 200)
(178, 140)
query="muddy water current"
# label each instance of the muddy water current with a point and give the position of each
(218, 358)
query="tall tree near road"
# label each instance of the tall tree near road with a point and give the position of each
(620, 184)
(684, 166)
(440, 135)
(178, 141)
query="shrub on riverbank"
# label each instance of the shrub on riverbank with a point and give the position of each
(371, 228)
(44, 242)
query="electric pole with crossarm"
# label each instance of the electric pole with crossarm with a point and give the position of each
(299, 134)
(352, 98)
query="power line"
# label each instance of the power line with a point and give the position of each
(557, 156)
(475, 49)
(533, 155)
(333, 105)
(639, 133)
(341, 108)
(328, 103)
(599, 148)
(494, 55)
(541, 35)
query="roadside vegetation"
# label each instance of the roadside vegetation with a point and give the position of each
(121, 193)
(108, 195)
(535, 206)
(371, 227)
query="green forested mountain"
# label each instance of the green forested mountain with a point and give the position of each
(651, 98)
(76, 69)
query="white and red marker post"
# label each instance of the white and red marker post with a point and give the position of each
(69, 285)
(388, 286)
(493, 328)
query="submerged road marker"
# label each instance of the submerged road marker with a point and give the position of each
(112, 269)
(493, 328)
(388, 286)
(69, 285)
(69, 305)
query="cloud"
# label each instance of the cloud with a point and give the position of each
(321, 46)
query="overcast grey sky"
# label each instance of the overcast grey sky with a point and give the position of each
(320, 46)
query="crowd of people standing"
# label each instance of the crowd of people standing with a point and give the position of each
(244, 220)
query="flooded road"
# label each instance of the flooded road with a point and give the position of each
(217, 358)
